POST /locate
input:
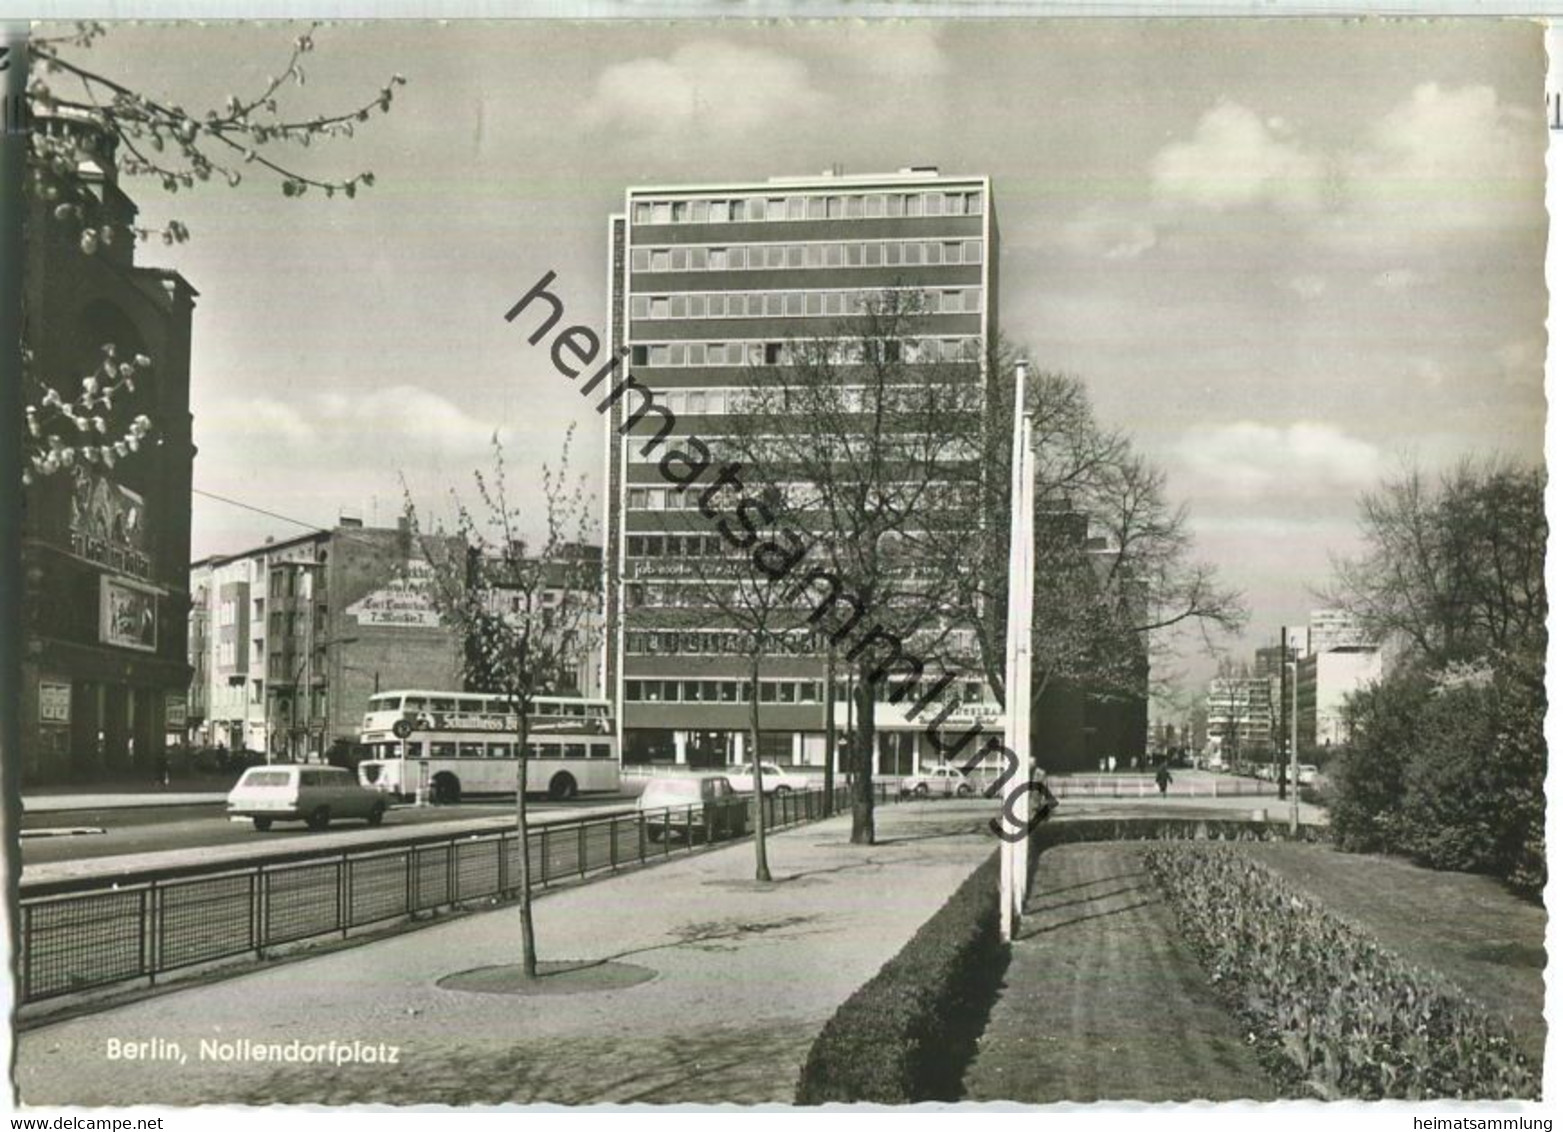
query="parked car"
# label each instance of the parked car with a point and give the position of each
(1307, 774)
(705, 807)
(938, 782)
(773, 780)
(311, 794)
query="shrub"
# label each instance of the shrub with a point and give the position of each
(1341, 1016)
(898, 1039)
(1449, 768)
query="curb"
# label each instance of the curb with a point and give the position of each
(76, 831)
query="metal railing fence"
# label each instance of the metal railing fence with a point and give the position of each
(86, 933)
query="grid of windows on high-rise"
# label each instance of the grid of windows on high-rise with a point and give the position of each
(799, 303)
(808, 206)
(911, 351)
(817, 254)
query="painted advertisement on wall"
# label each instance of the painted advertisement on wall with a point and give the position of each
(128, 615)
(405, 602)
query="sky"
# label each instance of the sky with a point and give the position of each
(1286, 258)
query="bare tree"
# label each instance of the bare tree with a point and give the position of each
(754, 598)
(874, 443)
(1454, 568)
(1115, 567)
(525, 609)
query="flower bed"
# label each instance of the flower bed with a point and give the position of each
(900, 1038)
(1339, 1015)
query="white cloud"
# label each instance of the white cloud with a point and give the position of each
(1099, 233)
(709, 87)
(1236, 159)
(894, 51)
(1249, 460)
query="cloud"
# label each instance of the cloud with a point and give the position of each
(1249, 460)
(1444, 163)
(1099, 233)
(707, 87)
(1237, 160)
(894, 51)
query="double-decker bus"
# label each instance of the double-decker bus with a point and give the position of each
(448, 745)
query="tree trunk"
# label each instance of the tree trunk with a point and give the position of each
(830, 731)
(524, 855)
(762, 868)
(863, 755)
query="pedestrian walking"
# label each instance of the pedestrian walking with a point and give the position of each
(1163, 778)
(162, 768)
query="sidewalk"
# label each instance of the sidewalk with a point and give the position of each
(60, 803)
(743, 977)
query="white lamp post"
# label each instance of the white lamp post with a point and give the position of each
(1014, 863)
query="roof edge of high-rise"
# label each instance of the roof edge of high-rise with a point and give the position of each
(913, 175)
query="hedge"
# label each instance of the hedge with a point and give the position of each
(899, 1039)
(1341, 1017)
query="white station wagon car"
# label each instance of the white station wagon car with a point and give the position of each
(312, 794)
(938, 782)
(773, 780)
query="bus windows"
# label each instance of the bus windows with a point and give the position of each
(575, 750)
(500, 750)
(471, 750)
(442, 705)
(602, 751)
(496, 707)
(413, 747)
(415, 703)
(575, 709)
(534, 750)
(441, 750)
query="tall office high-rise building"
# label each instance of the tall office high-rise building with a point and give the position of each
(709, 284)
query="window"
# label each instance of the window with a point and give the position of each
(832, 255)
(816, 208)
(680, 306)
(680, 211)
(973, 204)
(737, 258)
(895, 204)
(932, 253)
(697, 259)
(774, 304)
(680, 259)
(640, 260)
(776, 209)
(814, 255)
(931, 204)
(854, 206)
(659, 355)
(795, 208)
(874, 204)
(661, 212)
(669, 687)
(718, 211)
(814, 303)
(892, 255)
(756, 305)
(973, 251)
(697, 353)
(697, 402)
(718, 259)
(794, 255)
(699, 210)
(914, 204)
(912, 254)
(642, 212)
(637, 499)
(640, 306)
(775, 255)
(971, 300)
(659, 306)
(697, 306)
(854, 255)
(954, 204)
(952, 252)
(638, 355)
(659, 259)
(756, 208)
(767, 692)
(601, 751)
(873, 255)
(575, 750)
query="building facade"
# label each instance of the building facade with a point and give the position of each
(299, 633)
(106, 539)
(707, 284)
(1240, 719)
(1324, 681)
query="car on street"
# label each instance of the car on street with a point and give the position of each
(773, 780)
(938, 782)
(704, 806)
(315, 795)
